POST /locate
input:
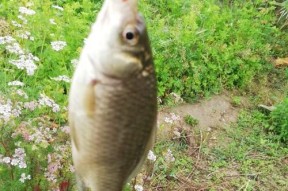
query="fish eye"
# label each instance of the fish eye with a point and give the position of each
(131, 35)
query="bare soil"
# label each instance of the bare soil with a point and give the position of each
(212, 115)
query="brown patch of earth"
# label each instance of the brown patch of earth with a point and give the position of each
(212, 115)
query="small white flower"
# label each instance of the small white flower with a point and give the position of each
(24, 177)
(14, 48)
(7, 40)
(15, 83)
(168, 120)
(16, 24)
(74, 62)
(25, 35)
(46, 101)
(26, 11)
(58, 45)
(72, 168)
(177, 97)
(62, 78)
(151, 156)
(169, 156)
(6, 160)
(15, 162)
(52, 21)
(55, 108)
(22, 164)
(23, 19)
(6, 111)
(175, 117)
(30, 105)
(26, 62)
(65, 129)
(177, 133)
(58, 7)
(2, 40)
(19, 152)
(22, 93)
(138, 187)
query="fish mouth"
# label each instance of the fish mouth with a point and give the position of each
(118, 13)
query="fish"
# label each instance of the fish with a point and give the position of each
(112, 109)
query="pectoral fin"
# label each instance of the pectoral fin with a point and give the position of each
(73, 132)
(90, 98)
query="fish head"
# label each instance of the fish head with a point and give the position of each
(120, 40)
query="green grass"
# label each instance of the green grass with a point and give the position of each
(200, 48)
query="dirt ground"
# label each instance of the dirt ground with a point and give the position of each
(212, 115)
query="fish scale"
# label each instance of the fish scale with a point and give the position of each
(115, 122)
(112, 100)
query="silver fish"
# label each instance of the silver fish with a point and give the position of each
(113, 99)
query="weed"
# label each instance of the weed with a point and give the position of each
(190, 120)
(279, 121)
(236, 101)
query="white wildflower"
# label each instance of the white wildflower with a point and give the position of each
(19, 152)
(22, 164)
(172, 118)
(24, 177)
(30, 105)
(15, 83)
(26, 11)
(25, 35)
(175, 117)
(16, 112)
(6, 110)
(58, 7)
(26, 62)
(23, 19)
(7, 40)
(46, 101)
(14, 48)
(169, 156)
(58, 45)
(65, 129)
(52, 21)
(15, 162)
(74, 62)
(168, 120)
(72, 168)
(62, 78)
(151, 156)
(55, 108)
(2, 40)
(177, 133)
(178, 98)
(6, 160)
(22, 93)
(16, 24)
(138, 187)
